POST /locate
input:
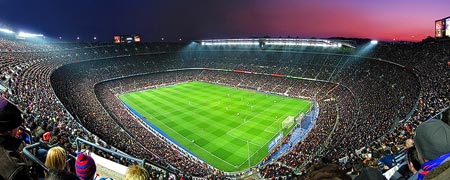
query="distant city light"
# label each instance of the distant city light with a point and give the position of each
(6, 31)
(95, 38)
(78, 38)
(162, 39)
(374, 42)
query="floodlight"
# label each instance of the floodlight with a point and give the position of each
(374, 42)
(273, 42)
(6, 31)
(29, 35)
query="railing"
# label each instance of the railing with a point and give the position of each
(27, 151)
(78, 144)
(142, 162)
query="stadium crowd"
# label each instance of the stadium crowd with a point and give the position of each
(361, 105)
(280, 85)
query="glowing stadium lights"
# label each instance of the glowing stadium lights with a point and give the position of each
(374, 42)
(220, 42)
(7, 31)
(229, 43)
(29, 35)
(272, 42)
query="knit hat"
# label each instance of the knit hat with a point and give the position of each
(10, 116)
(46, 136)
(432, 139)
(85, 166)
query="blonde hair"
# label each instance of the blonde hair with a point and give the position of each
(56, 158)
(135, 172)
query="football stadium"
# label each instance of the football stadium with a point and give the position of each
(153, 104)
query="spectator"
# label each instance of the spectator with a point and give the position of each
(136, 172)
(388, 161)
(56, 174)
(12, 165)
(85, 166)
(410, 169)
(41, 152)
(409, 143)
(56, 158)
(413, 163)
(46, 137)
(327, 171)
(369, 173)
(432, 141)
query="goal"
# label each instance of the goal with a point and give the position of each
(288, 122)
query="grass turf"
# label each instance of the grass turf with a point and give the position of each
(221, 125)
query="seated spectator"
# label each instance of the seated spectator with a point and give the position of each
(56, 158)
(413, 163)
(410, 169)
(136, 172)
(432, 141)
(388, 161)
(12, 165)
(327, 171)
(46, 137)
(369, 173)
(24, 135)
(85, 167)
(56, 174)
(409, 143)
(41, 153)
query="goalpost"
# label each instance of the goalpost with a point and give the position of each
(288, 122)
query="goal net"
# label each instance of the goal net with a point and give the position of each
(288, 122)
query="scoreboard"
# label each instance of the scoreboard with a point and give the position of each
(442, 28)
(127, 39)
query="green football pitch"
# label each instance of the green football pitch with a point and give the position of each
(229, 128)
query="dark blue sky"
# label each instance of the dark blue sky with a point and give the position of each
(199, 19)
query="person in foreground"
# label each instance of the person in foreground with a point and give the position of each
(12, 166)
(136, 172)
(56, 158)
(85, 167)
(432, 141)
(57, 174)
